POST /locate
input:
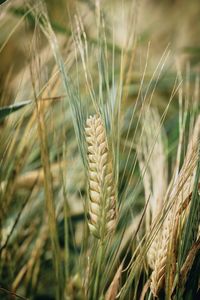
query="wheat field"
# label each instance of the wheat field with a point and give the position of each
(100, 150)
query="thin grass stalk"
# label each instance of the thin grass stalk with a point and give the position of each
(100, 254)
(48, 186)
(112, 291)
(74, 101)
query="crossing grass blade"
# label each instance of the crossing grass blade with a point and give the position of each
(7, 110)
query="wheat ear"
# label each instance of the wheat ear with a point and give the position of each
(102, 200)
(182, 191)
(170, 228)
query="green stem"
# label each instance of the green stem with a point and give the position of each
(96, 285)
(150, 296)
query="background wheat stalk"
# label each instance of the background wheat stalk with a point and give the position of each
(102, 202)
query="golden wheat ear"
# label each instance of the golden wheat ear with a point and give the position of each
(102, 200)
(180, 197)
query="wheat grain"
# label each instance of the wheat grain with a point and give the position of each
(102, 200)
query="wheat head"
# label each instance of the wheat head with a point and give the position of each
(102, 200)
(181, 192)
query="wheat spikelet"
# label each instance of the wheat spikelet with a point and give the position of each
(152, 251)
(158, 274)
(102, 204)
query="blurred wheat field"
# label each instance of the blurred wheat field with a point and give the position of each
(99, 151)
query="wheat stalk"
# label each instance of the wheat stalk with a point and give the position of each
(102, 200)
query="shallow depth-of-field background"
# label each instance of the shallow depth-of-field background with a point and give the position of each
(135, 63)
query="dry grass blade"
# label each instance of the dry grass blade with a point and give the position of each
(48, 185)
(36, 252)
(28, 179)
(145, 289)
(12, 294)
(189, 262)
(114, 287)
(102, 205)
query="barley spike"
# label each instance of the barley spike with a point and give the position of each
(102, 200)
